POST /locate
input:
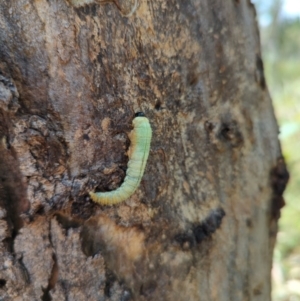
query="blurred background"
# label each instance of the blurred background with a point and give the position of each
(279, 22)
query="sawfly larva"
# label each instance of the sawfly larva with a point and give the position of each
(140, 139)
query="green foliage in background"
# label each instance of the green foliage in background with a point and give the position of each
(281, 53)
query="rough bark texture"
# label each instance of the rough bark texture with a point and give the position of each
(202, 224)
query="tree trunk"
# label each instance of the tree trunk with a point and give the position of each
(203, 222)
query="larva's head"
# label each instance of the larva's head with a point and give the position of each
(140, 120)
(139, 114)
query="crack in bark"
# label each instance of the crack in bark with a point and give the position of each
(26, 274)
(54, 272)
(202, 231)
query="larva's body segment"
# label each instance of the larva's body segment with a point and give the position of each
(140, 138)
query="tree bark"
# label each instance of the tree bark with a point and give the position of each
(202, 224)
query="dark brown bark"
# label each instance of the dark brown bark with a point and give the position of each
(203, 223)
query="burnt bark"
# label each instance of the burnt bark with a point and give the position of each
(203, 223)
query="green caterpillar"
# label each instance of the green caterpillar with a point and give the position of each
(140, 138)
